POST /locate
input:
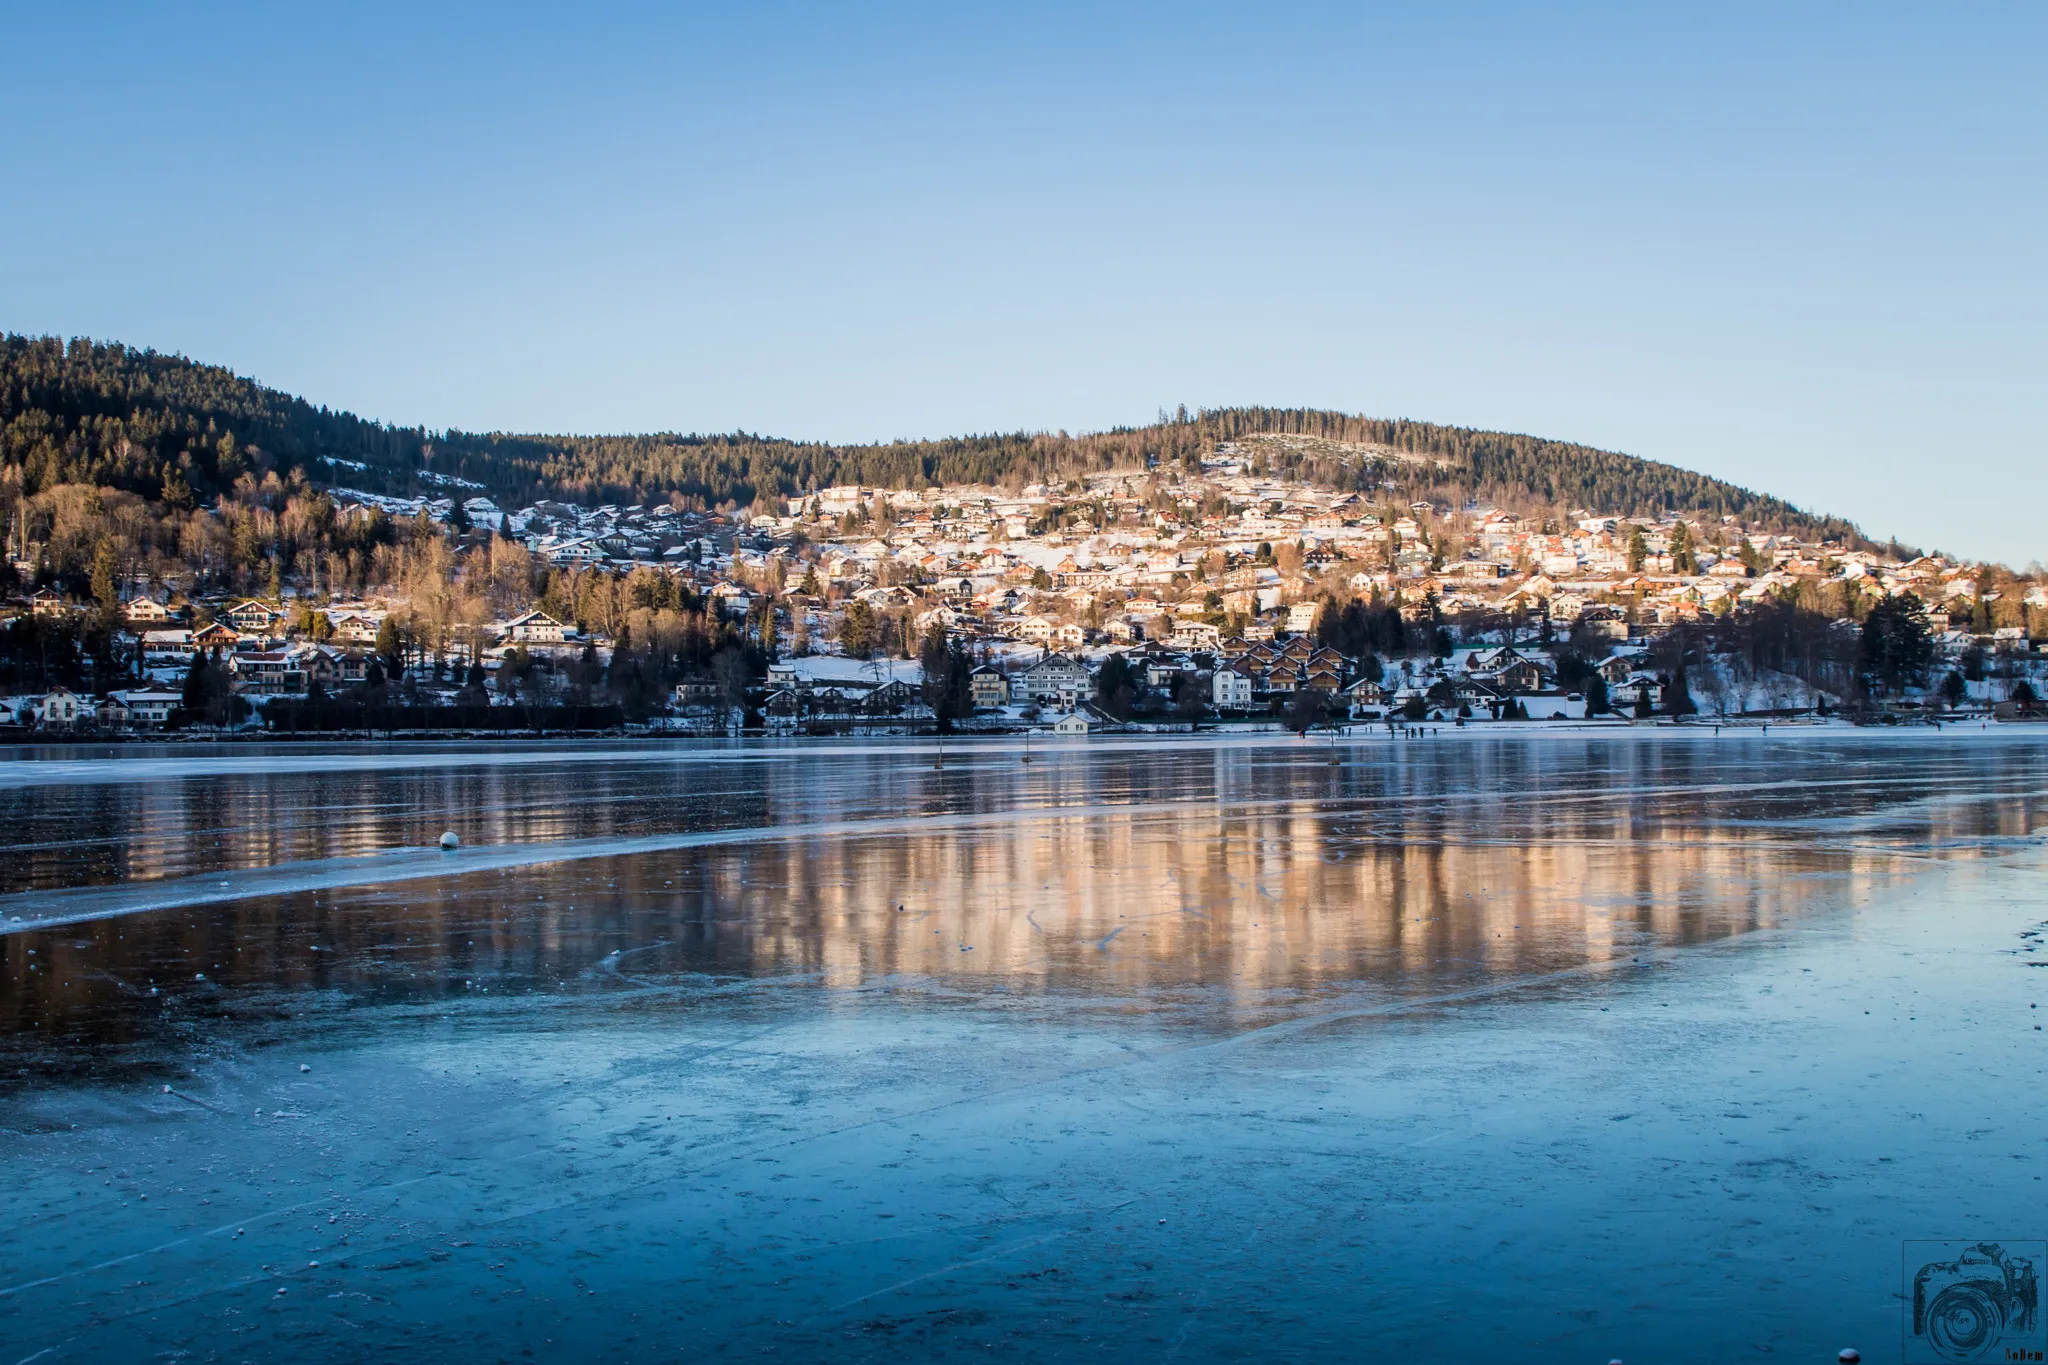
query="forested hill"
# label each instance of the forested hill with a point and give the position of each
(176, 430)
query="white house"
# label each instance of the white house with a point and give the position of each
(61, 709)
(1053, 678)
(1230, 690)
(148, 706)
(534, 628)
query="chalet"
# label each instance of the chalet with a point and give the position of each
(48, 603)
(1619, 668)
(146, 611)
(355, 627)
(1073, 723)
(1364, 699)
(254, 618)
(218, 635)
(321, 665)
(1521, 675)
(534, 628)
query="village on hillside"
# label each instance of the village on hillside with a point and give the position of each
(1210, 594)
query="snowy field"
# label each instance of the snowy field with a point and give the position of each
(1559, 1046)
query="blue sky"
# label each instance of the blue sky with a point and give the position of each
(1801, 247)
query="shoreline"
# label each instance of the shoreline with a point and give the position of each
(31, 765)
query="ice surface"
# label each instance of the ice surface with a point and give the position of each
(1536, 1049)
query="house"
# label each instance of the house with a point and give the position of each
(1504, 669)
(216, 636)
(146, 707)
(534, 628)
(1301, 617)
(146, 611)
(1616, 669)
(355, 627)
(321, 665)
(1364, 699)
(254, 618)
(47, 603)
(268, 672)
(1054, 678)
(1230, 690)
(989, 686)
(1073, 723)
(732, 600)
(166, 646)
(62, 709)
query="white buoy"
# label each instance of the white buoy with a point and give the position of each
(449, 843)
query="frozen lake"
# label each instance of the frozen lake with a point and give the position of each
(1544, 1048)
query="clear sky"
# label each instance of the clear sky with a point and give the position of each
(1797, 246)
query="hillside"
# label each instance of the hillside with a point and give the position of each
(171, 429)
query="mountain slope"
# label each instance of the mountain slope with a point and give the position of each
(173, 429)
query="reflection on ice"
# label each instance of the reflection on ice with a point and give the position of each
(1577, 1046)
